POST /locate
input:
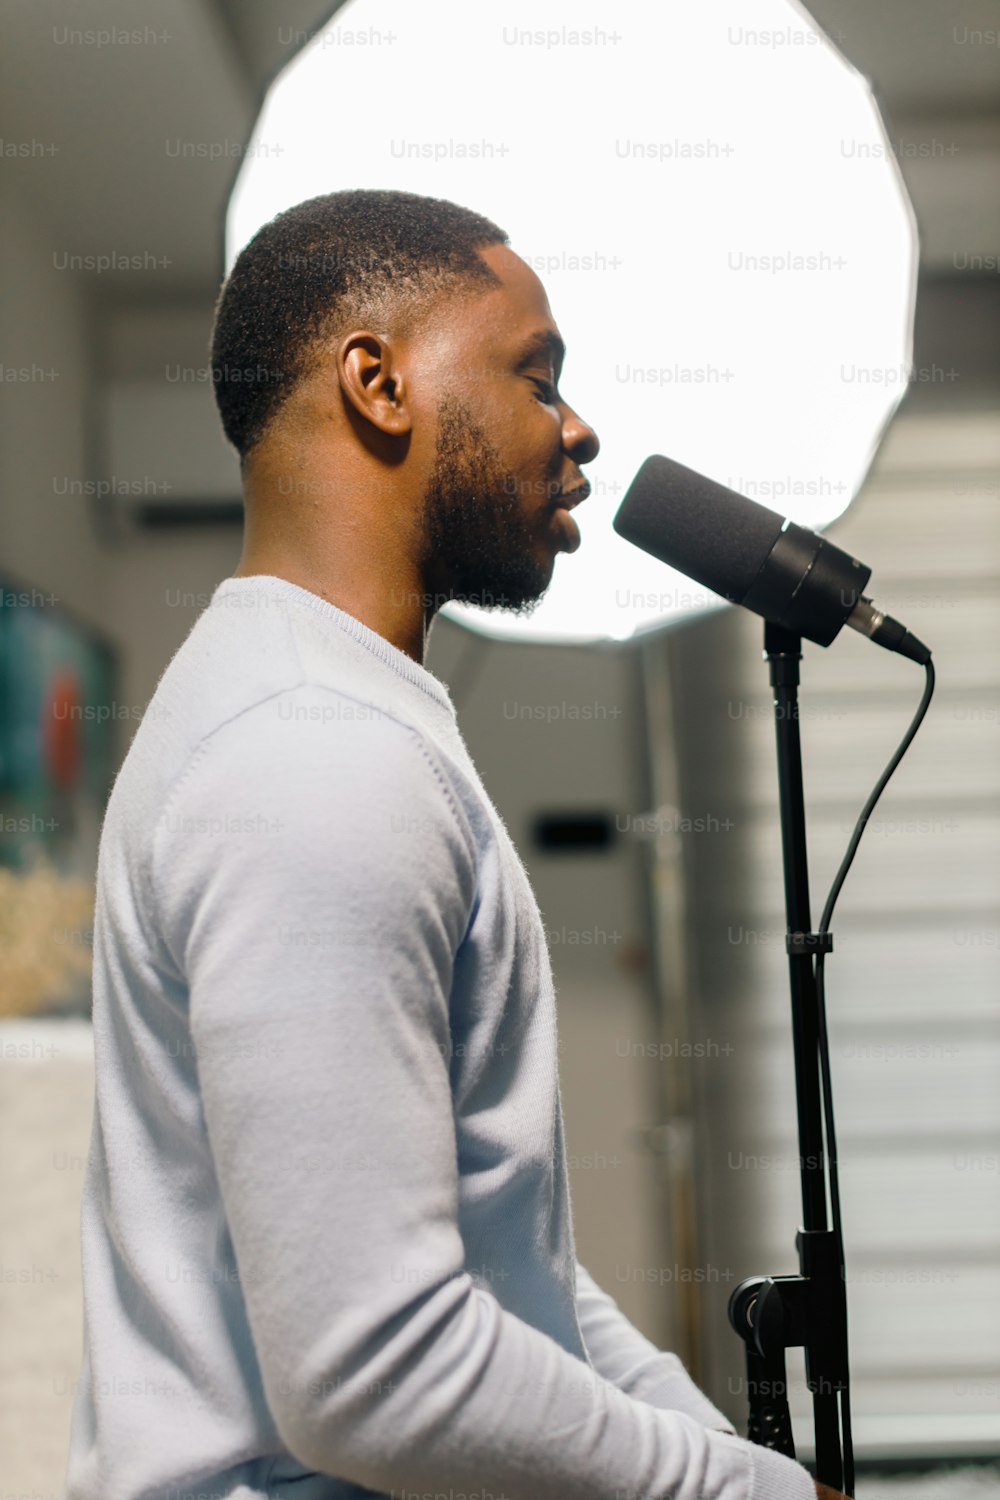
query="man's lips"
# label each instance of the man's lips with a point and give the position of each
(567, 499)
(562, 505)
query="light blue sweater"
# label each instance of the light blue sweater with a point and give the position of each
(326, 1220)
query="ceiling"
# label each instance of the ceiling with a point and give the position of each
(918, 52)
(119, 116)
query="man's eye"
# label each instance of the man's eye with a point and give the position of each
(547, 391)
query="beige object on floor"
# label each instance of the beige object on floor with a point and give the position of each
(46, 1107)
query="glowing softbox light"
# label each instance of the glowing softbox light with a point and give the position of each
(708, 194)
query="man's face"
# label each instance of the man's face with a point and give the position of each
(509, 449)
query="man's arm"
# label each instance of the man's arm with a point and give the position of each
(625, 1356)
(319, 953)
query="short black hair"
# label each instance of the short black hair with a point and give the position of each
(317, 268)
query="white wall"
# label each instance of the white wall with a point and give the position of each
(45, 538)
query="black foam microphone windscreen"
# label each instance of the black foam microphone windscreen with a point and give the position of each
(711, 533)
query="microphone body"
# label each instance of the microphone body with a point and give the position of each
(755, 557)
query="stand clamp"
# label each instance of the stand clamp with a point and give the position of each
(775, 1313)
(808, 942)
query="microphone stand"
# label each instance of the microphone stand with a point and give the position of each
(772, 1313)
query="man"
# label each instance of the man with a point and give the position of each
(327, 1235)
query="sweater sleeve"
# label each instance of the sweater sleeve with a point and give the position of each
(625, 1356)
(315, 879)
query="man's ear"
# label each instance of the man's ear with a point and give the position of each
(372, 382)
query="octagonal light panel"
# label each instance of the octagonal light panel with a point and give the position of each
(710, 198)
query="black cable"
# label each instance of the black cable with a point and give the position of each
(859, 827)
(824, 1051)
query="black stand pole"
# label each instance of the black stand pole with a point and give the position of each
(773, 1313)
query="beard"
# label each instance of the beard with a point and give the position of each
(479, 546)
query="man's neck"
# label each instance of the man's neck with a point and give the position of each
(392, 610)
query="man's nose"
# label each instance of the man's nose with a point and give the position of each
(579, 439)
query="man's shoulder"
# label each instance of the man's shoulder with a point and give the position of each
(242, 717)
(321, 727)
(258, 657)
(317, 757)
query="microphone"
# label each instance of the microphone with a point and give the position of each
(753, 556)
